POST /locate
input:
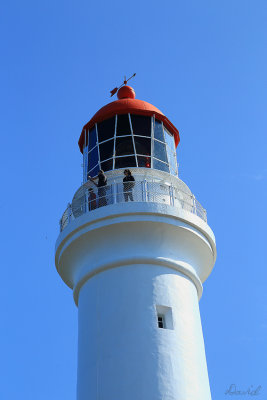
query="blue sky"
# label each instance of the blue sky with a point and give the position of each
(204, 65)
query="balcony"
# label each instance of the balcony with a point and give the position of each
(89, 198)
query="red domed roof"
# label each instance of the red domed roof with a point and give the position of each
(129, 105)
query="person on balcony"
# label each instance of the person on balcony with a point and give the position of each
(91, 199)
(101, 185)
(128, 185)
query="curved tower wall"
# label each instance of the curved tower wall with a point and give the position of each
(121, 351)
(136, 270)
(129, 264)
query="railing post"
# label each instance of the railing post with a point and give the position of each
(146, 191)
(114, 191)
(86, 200)
(171, 195)
(69, 212)
(143, 190)
(194, 205)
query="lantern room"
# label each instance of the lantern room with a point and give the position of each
(129, 133)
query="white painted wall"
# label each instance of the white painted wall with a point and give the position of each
(122, 354)
(121, 261)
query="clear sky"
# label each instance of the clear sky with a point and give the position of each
(204, 64)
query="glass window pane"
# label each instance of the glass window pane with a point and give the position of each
(160, 151)
(107, 165)
(106, 129)
(169, 140)
(172, 161)
(106, 150)
(141, 125)
(92, 158)
(144, 162)
(124, 146)
(142, 145)
(123, 125)
(94, 171)
(160, 165)
(124, 162)
(92, 138)
(158, 131)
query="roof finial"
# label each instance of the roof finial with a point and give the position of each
(114, 91)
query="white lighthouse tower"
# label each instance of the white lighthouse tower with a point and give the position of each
(136, 264)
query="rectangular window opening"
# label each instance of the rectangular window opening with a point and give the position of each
(161, 321)
(164, 317)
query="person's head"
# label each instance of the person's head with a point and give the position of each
(90, 190)
(101, 172)
(127, 172)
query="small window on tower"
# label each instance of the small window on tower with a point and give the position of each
(161, 321)
(164, 317)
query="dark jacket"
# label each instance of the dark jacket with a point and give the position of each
(128, 183)
(102, 180)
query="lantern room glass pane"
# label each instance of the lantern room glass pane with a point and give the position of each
(106, 150)
(142, 145)
(92, 138)
(172, 161)
(160, 151)
(144, 162)
(92, 158)
(107, 165)
(123, 125)
(141, 125)
(124, 162)
(169, 139)
(106, 129)
(158, 131)
(124, 146)
(160, 165)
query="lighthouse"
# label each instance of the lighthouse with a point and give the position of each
(135, 256)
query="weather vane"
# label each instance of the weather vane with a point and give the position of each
(114, 91)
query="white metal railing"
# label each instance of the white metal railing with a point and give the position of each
(92, 198)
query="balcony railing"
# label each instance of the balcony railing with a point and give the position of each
(91, 198)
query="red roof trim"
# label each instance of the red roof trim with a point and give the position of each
(131, 106)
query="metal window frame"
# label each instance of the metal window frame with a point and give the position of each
(109, 140)
(84, 158)
(92, 149)
(162, 320)
(163, 162)
(114, 146)
(97, 142)
(172, 151)
(131, 127)
(108, 159)
(159, 141)
(88, 138)
(97, 162)
(103, 141)
(152, 140)
(138, 115)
